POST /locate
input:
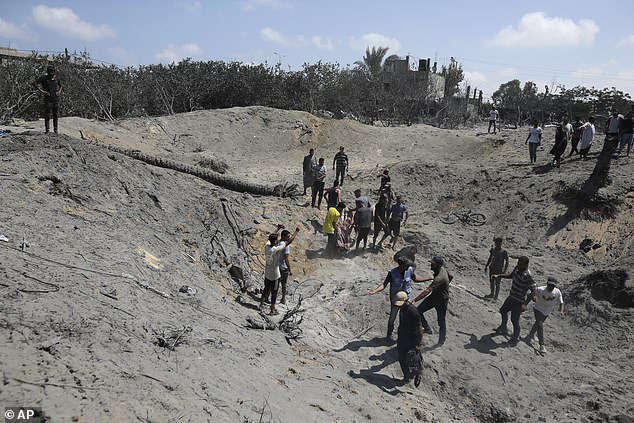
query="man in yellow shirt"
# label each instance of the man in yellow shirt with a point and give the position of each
(330, 227)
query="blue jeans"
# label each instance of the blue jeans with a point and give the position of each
(441, 313)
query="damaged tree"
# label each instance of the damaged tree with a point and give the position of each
(600, 174)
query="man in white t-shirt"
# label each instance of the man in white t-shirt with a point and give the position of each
(547, 299)
(567, 127)
(587, 135)
(534, 139)
(493, 118)
(273, 251)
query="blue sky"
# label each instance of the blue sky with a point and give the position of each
(547, 42)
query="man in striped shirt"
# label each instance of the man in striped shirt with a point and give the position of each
(516, 301)
(341, 162)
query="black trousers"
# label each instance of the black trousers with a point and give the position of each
(51, 109)
(318, 193)
(404, 346)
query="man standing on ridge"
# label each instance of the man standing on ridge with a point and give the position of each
(51, 88)
(341, 163)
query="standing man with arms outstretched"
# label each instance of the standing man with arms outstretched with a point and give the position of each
(516, 301)
(51, 88)
(340, 162)
(399, 279)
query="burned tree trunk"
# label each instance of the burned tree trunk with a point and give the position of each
(600, 175)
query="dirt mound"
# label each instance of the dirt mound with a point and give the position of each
(604, 285)
(130, 289)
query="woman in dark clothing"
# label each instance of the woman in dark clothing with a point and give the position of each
(559, 147)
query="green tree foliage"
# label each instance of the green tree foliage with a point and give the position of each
(110, 92)
(372, 62)
(453, 75)
(526, 103)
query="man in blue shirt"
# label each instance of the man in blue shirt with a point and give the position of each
(397, 216)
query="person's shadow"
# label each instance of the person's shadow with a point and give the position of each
(540, 170)
(356, 345)
(313, 254)
(384, 382)
(485, 345)
(317, 226)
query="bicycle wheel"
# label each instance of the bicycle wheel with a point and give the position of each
(450, 219)
(476, 219)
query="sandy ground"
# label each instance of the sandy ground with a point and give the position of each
(94, 328)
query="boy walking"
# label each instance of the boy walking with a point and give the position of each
(497, 263)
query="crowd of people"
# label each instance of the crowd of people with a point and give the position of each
(388, 215)
(413, 324)
(579, 135)
(344, 226)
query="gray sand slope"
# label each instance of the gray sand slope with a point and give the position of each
(95, 329)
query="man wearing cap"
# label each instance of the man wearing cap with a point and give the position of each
(546, 298)
(273, 251)
(51, 88)
(400, 279)
(437, 296)
(516, 301)
(410, 331)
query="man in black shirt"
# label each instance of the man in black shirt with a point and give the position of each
(51, 88)
(410, 331)
(341, 162)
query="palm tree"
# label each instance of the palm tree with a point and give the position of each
(373, 60)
